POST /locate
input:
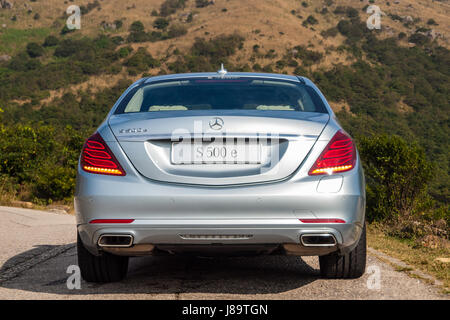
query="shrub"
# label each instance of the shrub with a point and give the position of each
(8, 189)
(218, 48)
(160, 23)
(137, 26)
(169, 7)
(141, 61)
(137, 32)
(257, 67)
(419, 39)
(117, 40)
(124, 51)
(307, 56)
(66, 30)
(353, 29)
(397, 175)
(89, 7)
(332, 32)
(348, 11)
(51, 41)
(311, 20)
(203, 3)
(177, 30)
(34, 50)
(118, 24)
(300, 71)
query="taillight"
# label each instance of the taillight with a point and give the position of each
(333, 220)
(96, 157)
(338, 156)
(123, 221)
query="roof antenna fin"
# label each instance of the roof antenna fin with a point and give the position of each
(222, 72)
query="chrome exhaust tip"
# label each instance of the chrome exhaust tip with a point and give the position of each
(318, 240)
(115, 240)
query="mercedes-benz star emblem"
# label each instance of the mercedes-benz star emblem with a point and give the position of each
(216, 123)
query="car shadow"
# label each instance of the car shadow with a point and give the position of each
(160, 275)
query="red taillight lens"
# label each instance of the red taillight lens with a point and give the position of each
(322, 220)
(123, 221)
(338, 156)
(96, 157)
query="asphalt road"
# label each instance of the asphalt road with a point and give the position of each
(37, 247)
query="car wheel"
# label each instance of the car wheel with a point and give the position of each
(104, 268)
(348, 266)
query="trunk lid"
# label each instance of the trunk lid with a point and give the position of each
(282, 140)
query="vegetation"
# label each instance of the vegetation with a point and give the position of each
(207, 55)
(203, 3)
(169, 7)
(34, 50)
(160, 23)
(397, 176)
(141, 61)
(416, 253)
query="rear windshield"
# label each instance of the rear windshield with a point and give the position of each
(222, 94)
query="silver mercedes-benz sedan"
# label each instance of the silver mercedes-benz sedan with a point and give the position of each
(220, 164)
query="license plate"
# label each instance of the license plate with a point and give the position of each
(216, 153)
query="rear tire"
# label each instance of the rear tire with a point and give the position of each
(104, 268)
(348, 266)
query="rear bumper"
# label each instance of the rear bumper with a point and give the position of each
(199, 232)
(270, 213)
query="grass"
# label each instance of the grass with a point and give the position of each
(13, 40)
(418, 256)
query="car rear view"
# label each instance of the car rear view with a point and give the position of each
(220, 164)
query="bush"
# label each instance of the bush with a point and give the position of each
(169, 7)
(137, 26)
(217, 49)
(311, 20)
(34, 50)
(118, 24)
(419, 39)
(177, 30)
(41, 158)
(141, 61)
(124, 51)
(354, 29)
(308, 57)
(137, 32)
(66, 30)
(332, 32)
(8, 189)
(160, 23)
(203, 3)
(397, 176)
(51, 41)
